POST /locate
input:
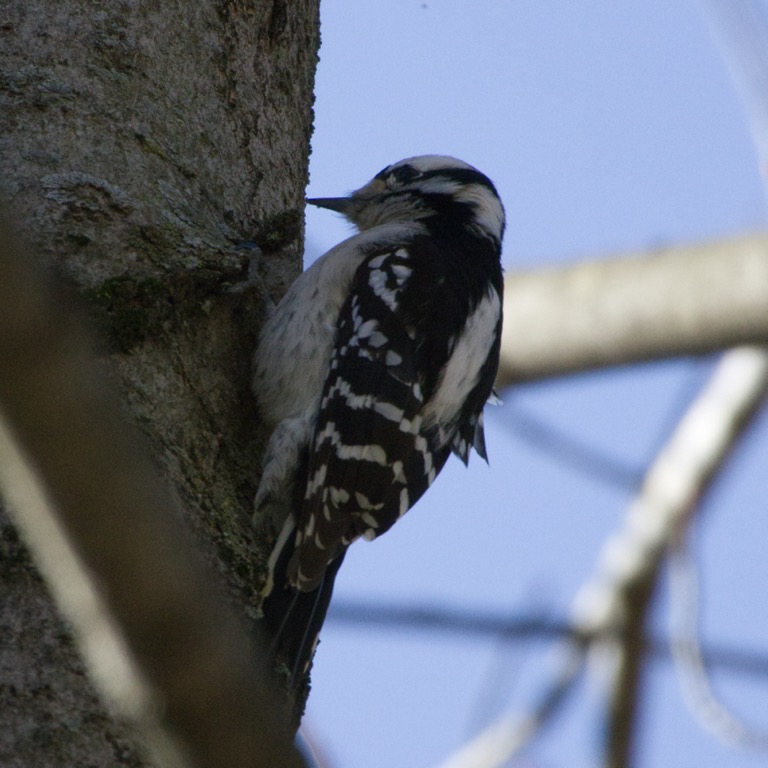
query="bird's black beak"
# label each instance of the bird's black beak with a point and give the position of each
(339, 204)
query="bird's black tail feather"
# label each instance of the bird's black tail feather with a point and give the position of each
(293, 619)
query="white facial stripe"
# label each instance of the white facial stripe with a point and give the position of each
(439, 185)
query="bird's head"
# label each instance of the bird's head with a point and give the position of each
(433, 189)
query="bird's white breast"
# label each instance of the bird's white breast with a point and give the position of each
(296, 342)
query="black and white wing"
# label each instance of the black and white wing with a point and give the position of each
(371, 458)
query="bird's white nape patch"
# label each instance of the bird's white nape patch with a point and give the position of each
(489, 212)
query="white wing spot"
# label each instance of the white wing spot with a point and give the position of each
(366, 329)
(338, 496)
(389, 411)
(378, 339)
(365, 503)
(316, 482)
(369, 520)
(401, 273)
(374, 453)
(378, 282)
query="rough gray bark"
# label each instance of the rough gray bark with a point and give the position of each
(138, 143)
(148, 617)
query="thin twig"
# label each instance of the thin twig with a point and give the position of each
(378, 617)
(708, 709)
(507, 735)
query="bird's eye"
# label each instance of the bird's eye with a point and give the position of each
(405, 174)
(400, 176)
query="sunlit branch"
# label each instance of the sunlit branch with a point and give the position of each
(666, 302)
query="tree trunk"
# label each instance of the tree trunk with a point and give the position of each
(138, 145)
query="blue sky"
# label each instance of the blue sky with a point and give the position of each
(607, 126)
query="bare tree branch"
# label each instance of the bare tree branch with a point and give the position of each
(613, 603)
(444, 620)
(609, 611)
(692, 663)
(203, 691)
(686, 300)
(507, 735)
(740, 28)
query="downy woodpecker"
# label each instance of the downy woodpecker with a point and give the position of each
(374, 367)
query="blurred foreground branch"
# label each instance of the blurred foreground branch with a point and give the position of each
(686, 300)
(101, 526)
